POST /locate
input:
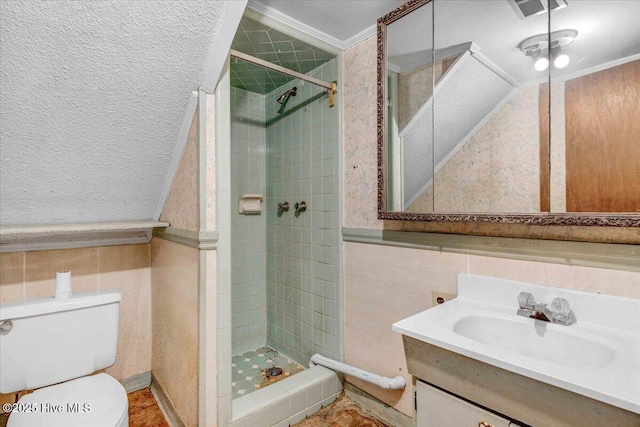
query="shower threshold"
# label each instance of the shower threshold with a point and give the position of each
(259, 368)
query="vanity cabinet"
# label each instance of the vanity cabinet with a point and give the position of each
(529, 401)
(435, 408)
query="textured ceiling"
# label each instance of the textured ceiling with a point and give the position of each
(266, 43)
(92, 99)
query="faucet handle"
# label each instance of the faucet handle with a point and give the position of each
(526, 300)
(560, 307)
(283, 207)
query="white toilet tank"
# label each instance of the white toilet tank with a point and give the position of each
(52, 340)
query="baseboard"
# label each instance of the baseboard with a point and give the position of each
(165, 404)
(376, 407)
(136, 382)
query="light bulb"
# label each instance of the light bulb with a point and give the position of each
(541, 63)
(561, 61)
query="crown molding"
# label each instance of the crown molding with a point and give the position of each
(334, 42)
(294, 23)
(360, 37)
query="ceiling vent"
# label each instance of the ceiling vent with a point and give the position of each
(526, 8)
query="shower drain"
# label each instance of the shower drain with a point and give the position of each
(273, 372)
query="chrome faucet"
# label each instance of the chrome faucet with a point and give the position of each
(560, 311)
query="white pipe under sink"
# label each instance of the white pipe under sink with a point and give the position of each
(397, 383)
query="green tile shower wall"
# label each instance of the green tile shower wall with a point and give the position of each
(248, 236)
(284, 273)
(302, 164)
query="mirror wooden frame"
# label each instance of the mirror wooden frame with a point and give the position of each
(545, 218)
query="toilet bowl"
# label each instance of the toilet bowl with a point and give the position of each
(96, 401)
(53, 346)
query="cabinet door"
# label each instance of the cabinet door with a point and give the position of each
(438, 409)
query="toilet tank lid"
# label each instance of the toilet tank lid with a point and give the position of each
(36, 307)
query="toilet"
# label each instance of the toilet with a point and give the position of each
(53, 346)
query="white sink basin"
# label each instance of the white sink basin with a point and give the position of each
(598, 356)
(551, 345)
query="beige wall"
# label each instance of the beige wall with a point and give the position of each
(385, 284)
(504, 151)
(181, 207)
(29, 275)
(359, 128)
(174, 301)
(175, 277)
(498, 169)
(414, 89)
(177, 272)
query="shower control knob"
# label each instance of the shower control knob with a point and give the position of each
(301, 207)
(283, 207)
(6, 325)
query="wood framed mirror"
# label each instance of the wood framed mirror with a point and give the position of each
(507, 112)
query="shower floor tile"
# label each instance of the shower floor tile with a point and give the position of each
(251, 370)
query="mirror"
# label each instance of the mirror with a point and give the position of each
(409, 75)
(495, 111)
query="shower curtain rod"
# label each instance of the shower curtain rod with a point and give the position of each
(332, 87)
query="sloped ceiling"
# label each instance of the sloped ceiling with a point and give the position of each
(93, 96)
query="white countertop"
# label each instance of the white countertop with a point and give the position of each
(609, 327)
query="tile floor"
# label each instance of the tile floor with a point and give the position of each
(250, 370)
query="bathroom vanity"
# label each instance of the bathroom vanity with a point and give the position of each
(435, 407)
(476, 362)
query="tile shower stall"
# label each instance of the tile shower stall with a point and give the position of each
(284, 277)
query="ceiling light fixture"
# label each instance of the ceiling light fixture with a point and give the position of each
(538, 46)
(540, 62)
(560, 60)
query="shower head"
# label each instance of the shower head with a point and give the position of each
(285, 96)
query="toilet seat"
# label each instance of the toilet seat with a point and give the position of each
(101, 399)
